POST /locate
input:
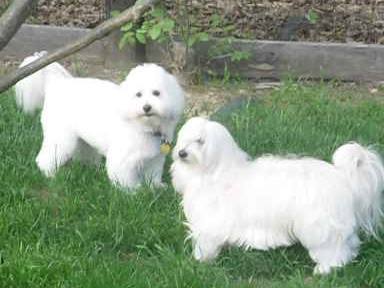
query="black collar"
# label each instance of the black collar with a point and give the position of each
(157, 134)
(163, 138)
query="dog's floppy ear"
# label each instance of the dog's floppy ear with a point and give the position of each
(218, 144)
(127, 84)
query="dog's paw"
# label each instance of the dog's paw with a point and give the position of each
(206, 255)
(321, 270)
(47, 169)
(197, 254)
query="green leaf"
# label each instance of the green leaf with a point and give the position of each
(215, 20)
(158, 12)
(121, 43)
(115, 13)
(198, 37)
(203, 36)
(161, 39)
(191, 41)
(237, 56)
(312, 16)
(155, 32)
(144, 27)
(228, 41)
(127, 38)
(141, 37)
(126, 27)
(167, 25)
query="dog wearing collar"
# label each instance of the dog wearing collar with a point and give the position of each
(88, 118)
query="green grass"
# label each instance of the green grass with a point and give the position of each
(77, 230)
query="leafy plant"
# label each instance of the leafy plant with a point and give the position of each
(224, 49)
(159, 26)
(156, 26)
(312, 16)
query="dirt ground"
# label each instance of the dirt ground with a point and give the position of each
(304, 20)
(207, 97)
(202, 99)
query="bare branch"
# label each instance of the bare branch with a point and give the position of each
(12, 19)
(131, 14)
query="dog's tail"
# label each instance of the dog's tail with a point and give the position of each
(30, 90)
(365, 170)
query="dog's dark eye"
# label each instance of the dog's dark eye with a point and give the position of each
(156, 92)
(138, 94)
(200, 141)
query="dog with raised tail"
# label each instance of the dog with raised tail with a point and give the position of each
(272, 201)
(87, 118)
(30, 90)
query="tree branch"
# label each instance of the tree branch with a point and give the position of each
(12, 19)
(131, 14)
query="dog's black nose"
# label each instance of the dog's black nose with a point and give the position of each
(183, 154)
(147, 108)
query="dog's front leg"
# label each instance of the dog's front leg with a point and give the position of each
(123, 169)
(154, 170)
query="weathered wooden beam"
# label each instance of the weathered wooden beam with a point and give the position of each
(269, 59)
(276, 59)
(32, 38)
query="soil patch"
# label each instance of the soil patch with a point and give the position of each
(301, 20)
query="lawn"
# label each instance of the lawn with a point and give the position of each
(77, 230)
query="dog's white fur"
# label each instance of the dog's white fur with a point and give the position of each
(30, 90)
(87, 118)
(273, 201)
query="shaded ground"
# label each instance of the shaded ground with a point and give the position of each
(202, 99)
(206, 97)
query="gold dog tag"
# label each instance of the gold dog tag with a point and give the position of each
(165, 148)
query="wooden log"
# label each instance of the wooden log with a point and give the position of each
(276, 59)
(273, 60)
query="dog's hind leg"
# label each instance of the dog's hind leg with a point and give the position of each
(336, 252)
(55, 152)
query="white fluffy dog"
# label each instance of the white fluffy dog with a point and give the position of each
(272, 201)
(126, 123)
(30, 90)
